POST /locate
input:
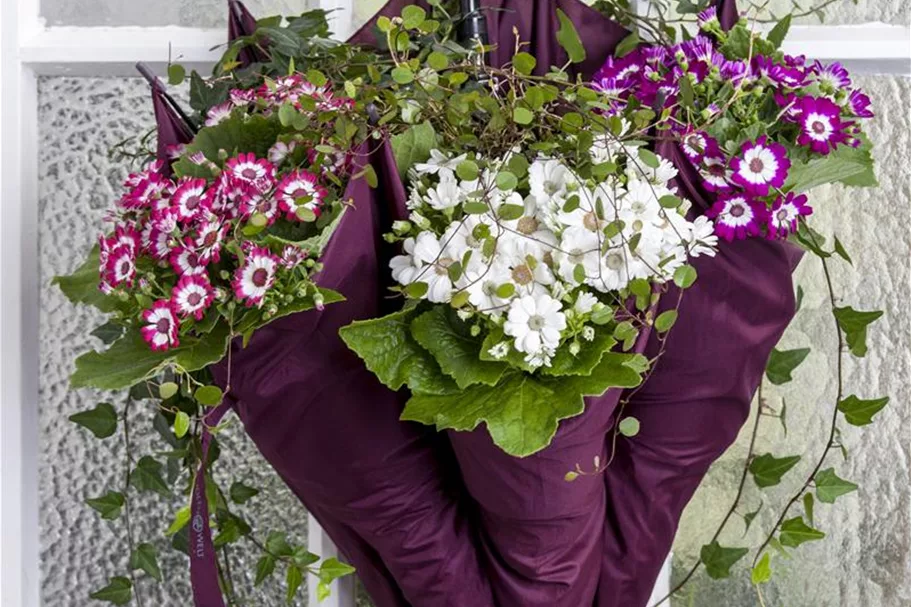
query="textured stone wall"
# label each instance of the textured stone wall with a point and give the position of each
(866, 558)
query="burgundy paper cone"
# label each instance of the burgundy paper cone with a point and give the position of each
(380, 487)
(171, 127)
(241, 23)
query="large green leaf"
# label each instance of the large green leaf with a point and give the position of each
(829, 486)
(718, 560)
(854, 323)
(454, 349)
(391, 353)
(82, 285)
(795, 532)
(413, 146)
(568, 38)
(130, 360)
(522, 411)
(235, 135)
(768, 470)
(850, 166)
(583, 363)
(860, 412)
(782, 363)
(100, 421)
(119, 591)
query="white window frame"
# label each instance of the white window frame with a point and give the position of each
(29, 49)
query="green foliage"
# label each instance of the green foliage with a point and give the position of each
(108, 505)
(829, 486)
(81, 287)
(718, 560)
(568, 38)
(145, 558)
(100, 421)
(629, 427)
(241, 493)
(860, 412)
(795, 532)
(762, 572)
(235, 135)
(119, 591)
(782, 364)
(854, 323)
(413, 146)
(147, 477)
(768, 470)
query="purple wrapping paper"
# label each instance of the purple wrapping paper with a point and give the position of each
(172, 130)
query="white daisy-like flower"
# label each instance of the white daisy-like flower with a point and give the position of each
(437, 162)
(192, 296)
(702, 237)
(660, 175)
(550, 181)
(499, 351)
(585, 303)
(280, 151)
(446, 194)
(254, 279)
(219, 113)
(579, 246)
(536, 323)
(424, 261)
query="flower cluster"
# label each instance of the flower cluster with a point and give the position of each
(541, 257)
(183, 246)
(744, 113)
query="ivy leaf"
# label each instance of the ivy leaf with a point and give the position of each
(145, 558)
(413, 146)
(860, 412)
(795, 532)
(100, 421)
(719, 560)
(119, 591)
(782, 363)
(265, 567)
(277, 544)
(749, 517)
(388, 350)
(522, 411)
(767, 470)
(241, 493)
(230, 531)
(830, 487)
(146, 476)
(762, 572)
(454, 349)
(332, 569)
(854, 323)
(181, 518)
(293, 580)
(568, 38)
(780, 32)
(108, 505)
(840, 250)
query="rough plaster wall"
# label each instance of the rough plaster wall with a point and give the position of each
(80, 120)
(148, 13)
(866, 558)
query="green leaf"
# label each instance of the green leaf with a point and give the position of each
(762, 572)
(265, 567)
(109, 332)
(628, 45)
(808, 506)
(508, 212)
(524, 63)
(108, 505)
(119, 591)
(685, 276)
(568, 38)
(457, 353)
(782, 363)
(388, 349)
(738, 44)
(780, 31)
(767, 470)
(507, 181)
(467, 170)
(167, 389)
(860, 412)
(293, 580)
(181, 424)
(413, 17)
(523, 411)
(829, 486)
(181, 518)
(847, 165)
(583, 363)
(332, 569)
(795, 532)
(686, 92)
(256, 134)
(629, 427)
(437, 61)
(854, 323)
(100, 421)
(176, 74)
(322, 591)
(230, 531)
(649, 158)
(402, 74)
(241, 493)
(208, 396)
(719, 560)
(145, 558)
(413, 146)
(303, 558)
(81, 287)
(146, 476)
(670, 201)
(749, 517)
(666, 321)
(523, 116)
(840, 250)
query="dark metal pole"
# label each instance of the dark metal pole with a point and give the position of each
(473, 29)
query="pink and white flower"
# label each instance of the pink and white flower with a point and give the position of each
(292, 256)
(189, 199)
(209, 239)
(249, 169)
(159, 245)
(254, 279)
(120, 265)
(187, 262)
(834, 75)
(860, 104)
(280, 151)
(161, 328)
(737, 216)
(219, 113)
(762, 165)
(821, 128)
(716, 176)
(192, 296)
(297, 186)
(242, 97)
(697, 144)
(260, 204)
(785, 214)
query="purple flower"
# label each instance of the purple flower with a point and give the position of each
(621, 68)
(708, 17)
(785, 213)
(716, 176)
(860, 104)
(697, 144)
(788, 103)
(699, 48)
(762, 165)
(737, 216)
(821, 128)
(834, 74)
(792, 76)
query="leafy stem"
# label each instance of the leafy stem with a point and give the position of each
(128, 465)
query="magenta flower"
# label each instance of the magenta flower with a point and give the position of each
(250, 170)
(120, 266)
(209, 238)
(189, 199)
(834, 74)
(192, 296)
(708, 17)
(821, 128)
(860, 104)
(254, 279)
(219, 113)
(300, 189)
(292, 256)
(260, 204)
(716, 176)
(186, 261)
(160, 331)
(785, 214)
(243, 97)
(761, 166)
(697, 144)
(737, 217)
(159, 244)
